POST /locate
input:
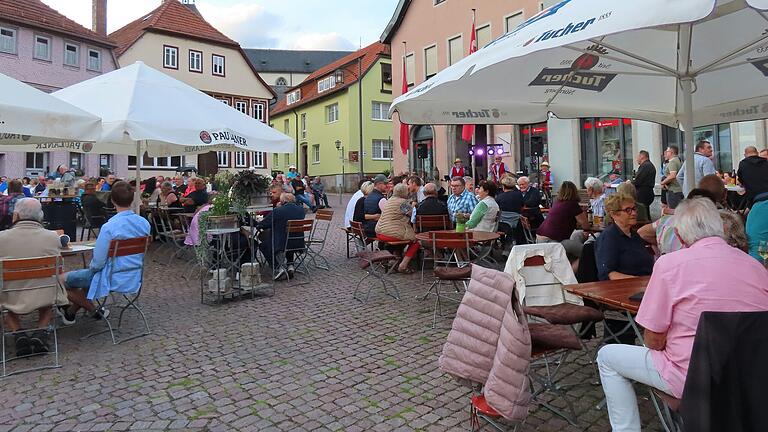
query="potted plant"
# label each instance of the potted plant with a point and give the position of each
(218, 216)
(251, 188)
(223, 181)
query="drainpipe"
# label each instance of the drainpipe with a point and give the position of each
(360, 112)
(296, 116)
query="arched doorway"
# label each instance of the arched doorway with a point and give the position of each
(423, 154)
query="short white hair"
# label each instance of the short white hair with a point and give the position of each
(29, 209)
(469, 180)
(593, 183)
(523, 179)
(400, 190)
(697, 218)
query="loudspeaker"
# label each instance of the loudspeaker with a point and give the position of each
(537, 146)
(422, 152)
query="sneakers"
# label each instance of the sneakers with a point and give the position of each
(100, 313)
(65, 318)
(291, 271)
(282, 274)
(23, 345)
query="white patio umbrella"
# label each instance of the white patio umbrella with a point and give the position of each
(30, 117)
(681, 63)
(143, 109)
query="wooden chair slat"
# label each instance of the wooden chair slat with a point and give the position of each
(119, 248)
(29, 268)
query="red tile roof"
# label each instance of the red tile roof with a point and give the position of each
(348, 64)
(174, 18)
(35, 13)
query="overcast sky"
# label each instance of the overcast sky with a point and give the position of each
(288, 24)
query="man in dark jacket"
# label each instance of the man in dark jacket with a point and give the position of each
(372, 204)
(531, 202)
(645, 179)
(753, 174)
(431, 205)
(277, 224)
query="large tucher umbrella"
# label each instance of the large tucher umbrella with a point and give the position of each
(144, 110)
(31, 117)
(681, 63)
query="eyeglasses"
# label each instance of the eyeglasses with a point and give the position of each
(628, 210)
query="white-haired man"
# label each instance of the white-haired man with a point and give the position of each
(596, 192)
(29, 239)
(680, 289)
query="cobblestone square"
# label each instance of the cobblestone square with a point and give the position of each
(309, 358)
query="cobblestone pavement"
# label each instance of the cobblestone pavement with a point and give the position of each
(309, 358)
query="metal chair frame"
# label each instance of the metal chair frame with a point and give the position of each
(296, 229)
(430, 223)
(88, 223)
(375, 269)
(172, 236)
(123, 248)
(319, 237)
(670, 420)
(441, 243)
(46, 269)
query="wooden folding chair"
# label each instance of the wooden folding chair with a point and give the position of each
(42, 275)
(318, 238)
(373, 262)
(121, 249)
(295, 230)
(450, 252)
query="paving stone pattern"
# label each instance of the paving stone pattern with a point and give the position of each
(309, 358)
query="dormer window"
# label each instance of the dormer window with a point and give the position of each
(326, 83)
(293, 97)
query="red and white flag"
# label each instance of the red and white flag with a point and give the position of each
(469, 129)
(404, 134)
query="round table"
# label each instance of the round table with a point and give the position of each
(477, 236)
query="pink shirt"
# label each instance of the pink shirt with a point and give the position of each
(708, 276)
(193, 235)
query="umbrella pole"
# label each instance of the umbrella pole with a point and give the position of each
(686, 82)
(137, 191)
(690, 146)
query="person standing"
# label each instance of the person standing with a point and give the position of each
(669, 181)
(753, 174)
(645, 179)
(458, 170)
(702, 161)
(497, 169)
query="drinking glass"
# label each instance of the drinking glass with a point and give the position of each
(762, 250)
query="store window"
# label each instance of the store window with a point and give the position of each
(717, 135)
(606, 148)
(76, 161)
(534, 147)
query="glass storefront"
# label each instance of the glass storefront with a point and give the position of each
(718, 135)
(606, 148)
(533, 144)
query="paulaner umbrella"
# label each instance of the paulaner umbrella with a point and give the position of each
(144, 110)
(681, 63)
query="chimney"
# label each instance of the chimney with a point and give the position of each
(99, 17)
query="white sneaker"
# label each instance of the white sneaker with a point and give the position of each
(291, 270)
(63, 314)
(281, 274)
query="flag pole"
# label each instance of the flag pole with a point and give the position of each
(405, 89)
(472, 40)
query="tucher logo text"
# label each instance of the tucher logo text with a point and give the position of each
(577, 76)
(482, 113)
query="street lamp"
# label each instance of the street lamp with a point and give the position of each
(340, 148)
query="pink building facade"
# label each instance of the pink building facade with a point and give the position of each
(50, 57)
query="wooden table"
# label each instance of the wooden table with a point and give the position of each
(615, 294)
(477, 236)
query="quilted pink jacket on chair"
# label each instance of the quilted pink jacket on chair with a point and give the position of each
(489, 343)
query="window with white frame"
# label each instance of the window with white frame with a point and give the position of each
(94, 60)
(258, 111)
(303, 125)
(105, 160)
(382, 149)
(293, 97)
(287, 159)
(170, 57)
(157, 162)
(42, 48)
(242, 106)
(223, 158)
(326, 83)
(36, 161)
(8, 40)
(332, 113)
(315, 153)
(241, 159)
(217, 65)
(259, 159)
(511, 22)
(275, 160)
(483, 36)
(430, 62)
(76, 161)
(281, 81)
(71, 54)
(410, 69)
(286, 126)
(455, 50)
(195, 61)
(380, 110)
